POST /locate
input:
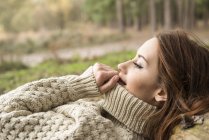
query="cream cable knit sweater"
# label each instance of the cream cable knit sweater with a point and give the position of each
(50, 109)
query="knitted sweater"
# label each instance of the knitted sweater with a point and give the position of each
(53, 109)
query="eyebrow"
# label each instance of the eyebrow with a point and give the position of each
(141, 56)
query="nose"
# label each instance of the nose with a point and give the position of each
(123, 67)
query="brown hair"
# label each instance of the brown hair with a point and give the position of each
(184, 77)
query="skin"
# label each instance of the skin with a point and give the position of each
(138, 75)
(106, 77)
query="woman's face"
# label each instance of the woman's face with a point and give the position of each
(140, 75)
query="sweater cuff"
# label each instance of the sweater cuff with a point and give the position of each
(85, 85)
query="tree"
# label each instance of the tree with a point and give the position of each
(188, 14)
(61, 10)
(139, 12)
(167, 14)
(191, 13)
(120, 15)
(206, 12)
(8, 9)
(152, 16)
(100, 12)
(180, 12)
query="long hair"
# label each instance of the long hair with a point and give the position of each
(184, 77)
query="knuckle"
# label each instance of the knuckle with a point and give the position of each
(101, 75)
(97, 66)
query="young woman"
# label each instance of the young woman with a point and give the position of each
(164, 84)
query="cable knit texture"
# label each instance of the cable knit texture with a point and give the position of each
(53, 109)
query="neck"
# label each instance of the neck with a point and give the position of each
(128, 109)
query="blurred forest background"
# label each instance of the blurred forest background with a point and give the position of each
(42, 38)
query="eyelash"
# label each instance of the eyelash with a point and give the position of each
(137, 65)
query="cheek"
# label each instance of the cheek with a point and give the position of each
(136, 81)
(140, 87)
(134, 84)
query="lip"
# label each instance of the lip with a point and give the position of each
(121, 82)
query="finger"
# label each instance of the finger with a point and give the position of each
(100, 66)
(106, 67)
(105, 76)
(109, 85)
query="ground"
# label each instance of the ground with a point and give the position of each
(198, 132)
(131, 43)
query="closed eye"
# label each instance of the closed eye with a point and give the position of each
(137, 65)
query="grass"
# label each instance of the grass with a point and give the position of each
(8, 66)
(14, 78)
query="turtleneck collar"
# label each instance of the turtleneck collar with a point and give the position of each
(128, 109)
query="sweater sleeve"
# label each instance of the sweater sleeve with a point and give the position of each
(44, 94)
(45, 109)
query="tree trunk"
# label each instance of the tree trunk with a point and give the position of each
(144, 19)
(167, 15)
(152, 16)
(191, 13)
(206, 15)
(120, 15)
(180, 10)
(129, 21)
(186, 11)
(137, 23)
(61, 20)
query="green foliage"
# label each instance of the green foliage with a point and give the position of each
(11, 66)
(12, 79)
(8, 9)
(17, 16)
(100, 12)
(202, 6)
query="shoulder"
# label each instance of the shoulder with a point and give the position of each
(198, 132)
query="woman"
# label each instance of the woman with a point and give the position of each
(146, 98)
(184, 79)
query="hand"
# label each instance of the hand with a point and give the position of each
(106, 77)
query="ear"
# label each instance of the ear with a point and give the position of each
(160, 95)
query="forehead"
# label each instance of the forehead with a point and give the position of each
(149, 49)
